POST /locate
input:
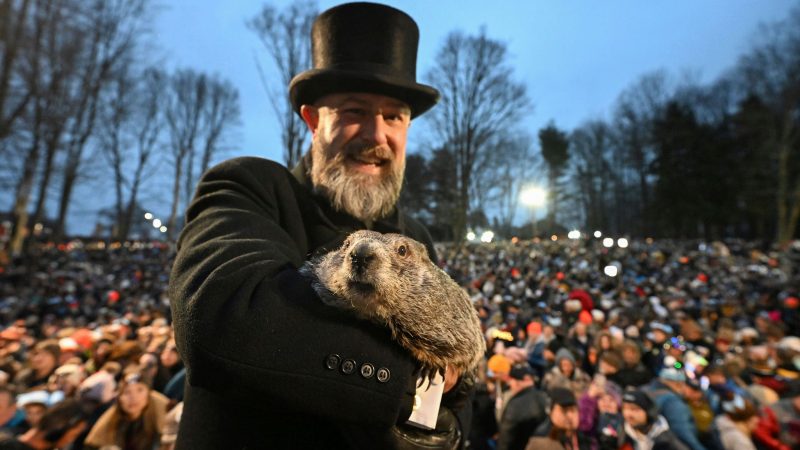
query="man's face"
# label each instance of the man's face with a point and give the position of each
(358, 151)
(633, 414)
(565, 417)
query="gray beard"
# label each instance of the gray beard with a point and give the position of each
(357, 194)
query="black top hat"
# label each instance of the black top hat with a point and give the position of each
(364, 47)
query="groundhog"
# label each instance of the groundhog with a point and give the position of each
(389, 279)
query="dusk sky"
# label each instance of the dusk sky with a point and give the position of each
(575, 56)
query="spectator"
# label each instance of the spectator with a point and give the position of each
(643, 427)
(599, 408)
(565, 374)
(43, 363)
(633, 372)
(136, 420)
(560, 430)
(57, 429)
(787, 417)
(12, 418)
(668, 391)
(735, 427)
(525, 409)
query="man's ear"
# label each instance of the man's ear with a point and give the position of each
(310, 116)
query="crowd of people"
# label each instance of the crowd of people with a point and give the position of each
(683, 345)
(690, 345)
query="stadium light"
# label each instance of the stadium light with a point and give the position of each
(148, 216)
(598, 234)
(574, 234)
(470, 236)
(608, 242)
(622, 243)
(156, 223)
(487, 236)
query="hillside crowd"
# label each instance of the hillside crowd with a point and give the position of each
(689, 345)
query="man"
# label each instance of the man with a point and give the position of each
(525, 409)
(644, 428)
(12, 418)
(268, 365)
(668, 390)
(560, 431)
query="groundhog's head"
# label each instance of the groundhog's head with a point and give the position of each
(371, 268)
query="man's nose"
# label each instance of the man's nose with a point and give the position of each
(374, 129)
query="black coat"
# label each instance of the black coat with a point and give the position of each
(525, 411)
(268, 365)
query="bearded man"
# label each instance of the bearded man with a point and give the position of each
(268, 364)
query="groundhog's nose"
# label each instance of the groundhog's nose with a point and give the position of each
(361, 256)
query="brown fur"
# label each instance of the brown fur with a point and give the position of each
(426, 311)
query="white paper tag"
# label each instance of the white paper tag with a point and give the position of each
(427, 400)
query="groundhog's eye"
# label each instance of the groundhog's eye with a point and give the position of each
(402, 250)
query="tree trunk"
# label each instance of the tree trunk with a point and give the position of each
(24, 188)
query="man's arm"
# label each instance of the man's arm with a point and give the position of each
(250, 327)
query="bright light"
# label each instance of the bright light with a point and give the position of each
(156, 223)
(574, 234)
(554, 238)
(487, 236)
(163, 229)
(610, 270)
(622, 243)
(598, 234)
(470, 236)
(148, 216)
(608, 242)
(533, 196)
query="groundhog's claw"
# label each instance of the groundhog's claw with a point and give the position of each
(425, 375)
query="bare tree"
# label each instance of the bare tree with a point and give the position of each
(201, 111)
(14, 33)
(479, 98)
(220, 115)
(771, 71)
(113, 28)
(183, 113)
(514, 164)
(131, 123)
(285, 36)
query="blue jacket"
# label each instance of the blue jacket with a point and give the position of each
(677, 413)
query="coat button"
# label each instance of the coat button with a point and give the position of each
(367, 370)
(332, 361)
(383, 375)
(348, 366)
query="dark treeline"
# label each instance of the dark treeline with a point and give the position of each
(676, 158)
(83, 98)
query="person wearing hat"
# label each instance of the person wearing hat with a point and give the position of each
(668, 390)
(566, 374)
(643, 427)
(266, 360)
(560, 430)
(524, 411)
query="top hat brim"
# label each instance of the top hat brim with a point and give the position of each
(307, 87)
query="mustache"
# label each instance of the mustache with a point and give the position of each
(359, 149)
